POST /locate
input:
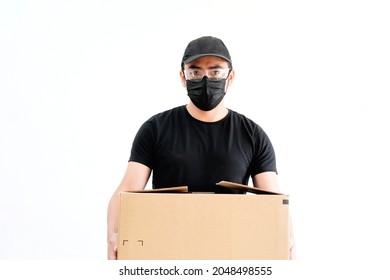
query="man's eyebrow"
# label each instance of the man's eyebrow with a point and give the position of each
(216, 67)
(211, 67)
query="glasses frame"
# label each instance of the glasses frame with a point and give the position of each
(206, 73)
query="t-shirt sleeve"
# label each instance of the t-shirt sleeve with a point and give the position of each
(264, 155)
(142, 150)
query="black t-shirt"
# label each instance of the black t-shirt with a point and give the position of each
(183, 151)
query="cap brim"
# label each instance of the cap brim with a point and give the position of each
(192, 58)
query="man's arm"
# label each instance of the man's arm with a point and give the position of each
(135, 178)
(268, 181)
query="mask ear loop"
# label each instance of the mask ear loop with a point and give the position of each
(184, 75)
(227, 83)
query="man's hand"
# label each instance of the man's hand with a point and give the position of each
(112, 246)
(292, 248)
(135, 179)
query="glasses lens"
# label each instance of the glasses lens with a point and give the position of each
(217, 74)
(194, 74)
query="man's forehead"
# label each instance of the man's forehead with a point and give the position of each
(207, 62)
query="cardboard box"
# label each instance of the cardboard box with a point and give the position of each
(203, 226)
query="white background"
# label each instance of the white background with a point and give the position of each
(78, 78)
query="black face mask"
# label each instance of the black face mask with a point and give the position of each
(206, 94)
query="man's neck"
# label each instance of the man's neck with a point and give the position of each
(217, 114)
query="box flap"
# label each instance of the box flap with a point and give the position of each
(223, 184)
(246, 188)
(165, 190)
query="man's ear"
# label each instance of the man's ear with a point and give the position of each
(231, 77)
(183, 79)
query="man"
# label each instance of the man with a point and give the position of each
(199, 144)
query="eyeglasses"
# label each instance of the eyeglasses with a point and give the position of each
(195, 74)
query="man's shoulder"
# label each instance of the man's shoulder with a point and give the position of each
(241, 118)
(168, 114)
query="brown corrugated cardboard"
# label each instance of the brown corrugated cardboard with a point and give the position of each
(207, 226)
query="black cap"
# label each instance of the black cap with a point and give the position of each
(204, 46)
